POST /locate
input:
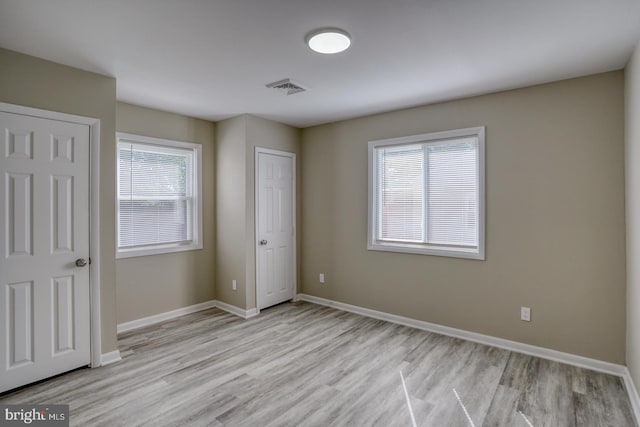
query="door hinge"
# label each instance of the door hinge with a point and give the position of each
(89, 260)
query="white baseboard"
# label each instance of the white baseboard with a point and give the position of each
(245, 314)
(634, 396)
(157, 318)
(518, 347)
(109, 358)
(161, 317)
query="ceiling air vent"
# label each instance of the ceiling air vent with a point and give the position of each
(286, 86)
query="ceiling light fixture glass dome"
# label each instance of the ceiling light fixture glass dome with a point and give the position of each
(328, 40)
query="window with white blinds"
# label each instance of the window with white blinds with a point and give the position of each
(158, 188)
(426, 194)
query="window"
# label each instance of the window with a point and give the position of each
(158, 206)
(426, 194)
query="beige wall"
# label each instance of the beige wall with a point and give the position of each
(555, 210)
(156, 284)
(237, 139)
(275, 136)
(230, 215)
(555, 219)
(33, 82)
(632, 157)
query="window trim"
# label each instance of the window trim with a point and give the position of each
(438, 250)
(164, 248)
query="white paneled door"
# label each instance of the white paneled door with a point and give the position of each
(275, 231)
(44, 238)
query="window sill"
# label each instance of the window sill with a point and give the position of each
(156, 250)
(477, 254)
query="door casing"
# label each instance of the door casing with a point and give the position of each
(94, 213)
(294, 251)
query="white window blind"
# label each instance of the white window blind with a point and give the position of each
(401, 193)
(426, 194)
(452, 216)
(157, 197)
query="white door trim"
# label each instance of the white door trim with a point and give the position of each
(94, 212)
(293, 217)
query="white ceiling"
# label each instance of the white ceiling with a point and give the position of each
(212, 58)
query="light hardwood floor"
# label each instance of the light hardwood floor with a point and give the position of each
(300, 364)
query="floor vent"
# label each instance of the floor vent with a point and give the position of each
(286, 86)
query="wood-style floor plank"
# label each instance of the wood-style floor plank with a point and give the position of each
(300, 364)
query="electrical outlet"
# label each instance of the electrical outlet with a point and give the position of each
(321, 278)
(234, 285)
(525, 314)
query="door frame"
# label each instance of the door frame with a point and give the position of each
(259, 150)
(94, 213)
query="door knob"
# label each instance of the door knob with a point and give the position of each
(263, 242)
(81, 262)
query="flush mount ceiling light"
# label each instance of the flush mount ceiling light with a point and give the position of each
(328, 40)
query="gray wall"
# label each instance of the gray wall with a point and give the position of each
(632, 156)
(33, 82)
(555, 219)
(237, 139)
(156, 284)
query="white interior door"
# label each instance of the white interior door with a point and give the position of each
(44, 238)
(275, 231)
